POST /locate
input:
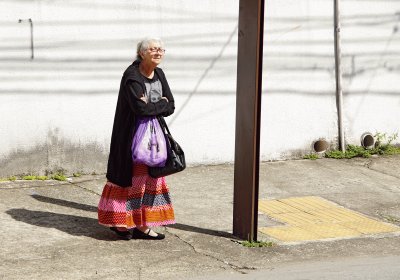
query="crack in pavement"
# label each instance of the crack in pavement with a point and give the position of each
(380, 171)
(232, 266)
(368, 166)
(86, 189)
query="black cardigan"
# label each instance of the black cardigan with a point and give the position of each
(129, 105)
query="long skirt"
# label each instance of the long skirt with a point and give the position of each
(145, 203)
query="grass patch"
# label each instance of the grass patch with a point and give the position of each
(59, 177)
(257, 244)
(311, 156)
(12, 178)
(389, 150)
(34, 177)
(29, 177)
(26, 177)
(358, 151)
(351, 152)
(383, 146)
(391, 219)
(77, 174)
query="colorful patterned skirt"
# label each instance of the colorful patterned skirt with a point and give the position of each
(146, 203)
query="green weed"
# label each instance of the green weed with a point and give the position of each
(257, 244)
(34, 177)
(29, 177)
(351, 152)
(311, 156)
(391, 219)
(59, 177)
(383, 146)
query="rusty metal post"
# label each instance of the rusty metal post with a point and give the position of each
(248, 113)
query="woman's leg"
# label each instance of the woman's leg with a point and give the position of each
(149, 203)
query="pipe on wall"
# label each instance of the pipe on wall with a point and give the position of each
(338, 75)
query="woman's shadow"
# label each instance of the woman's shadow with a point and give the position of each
(73, 225)
(83, 226)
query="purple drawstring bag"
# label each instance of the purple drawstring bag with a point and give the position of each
(148, 145)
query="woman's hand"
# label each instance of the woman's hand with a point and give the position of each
(144, 99)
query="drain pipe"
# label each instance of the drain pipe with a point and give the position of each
(338, 74)
(31, 25)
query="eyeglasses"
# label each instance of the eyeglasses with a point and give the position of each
(157, 50)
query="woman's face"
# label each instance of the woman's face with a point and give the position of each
(154, 54)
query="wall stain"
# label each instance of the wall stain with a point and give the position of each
(58, 154)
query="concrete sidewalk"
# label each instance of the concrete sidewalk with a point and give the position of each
(49, 229)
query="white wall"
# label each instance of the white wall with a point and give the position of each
(371, 50)
(68, 92)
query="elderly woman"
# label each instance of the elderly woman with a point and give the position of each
(132, 202)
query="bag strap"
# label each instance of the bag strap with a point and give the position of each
(163, 124)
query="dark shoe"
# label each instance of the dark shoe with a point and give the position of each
(126, 235)
(137, 234)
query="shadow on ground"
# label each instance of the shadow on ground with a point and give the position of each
(73, 225)
(84, 226)
(65, 203)
(201, 230)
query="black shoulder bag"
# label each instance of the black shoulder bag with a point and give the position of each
(175, 155)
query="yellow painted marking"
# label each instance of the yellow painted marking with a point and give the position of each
(299, 218)
(370, 227)
(307, 204)
(314, 218)
(290, 233)
(275, 206)
(331, 230)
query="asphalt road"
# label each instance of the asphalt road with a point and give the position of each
(362, 268)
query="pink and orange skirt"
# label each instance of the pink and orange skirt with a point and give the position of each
(145, 203)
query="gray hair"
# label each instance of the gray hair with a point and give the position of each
(144, 45)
